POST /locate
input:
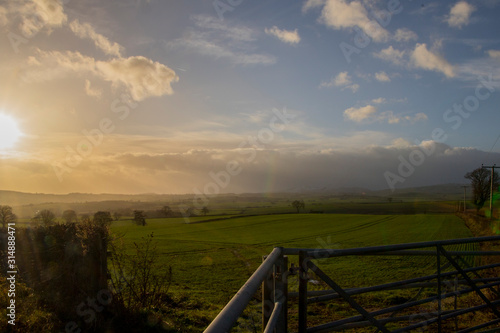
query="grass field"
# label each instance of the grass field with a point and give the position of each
(212, 260)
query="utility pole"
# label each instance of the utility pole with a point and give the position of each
(465, 190)
(491, 185)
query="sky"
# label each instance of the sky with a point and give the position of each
(232, 96)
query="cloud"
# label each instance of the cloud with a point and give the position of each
(39, 14)
(370, 113)
(423, 58)
(3, 16)
(495, 54)
(141, 76)
(222, 40)
(360, 114)
(138, 171)
(86, 31)
(90, 91)
(420, 57)
(460, 14)
(405, 35)
(382, 77)
(286, 36)
(391, 55)
(343, 79)
(338, 14)
(379, 100)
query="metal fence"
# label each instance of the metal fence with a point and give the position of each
(273, 275)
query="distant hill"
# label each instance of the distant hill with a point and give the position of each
(444, 191)
(20, 198)
(13, 198)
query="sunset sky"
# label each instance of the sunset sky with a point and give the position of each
(137, 96)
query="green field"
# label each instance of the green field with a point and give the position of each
(212, 260)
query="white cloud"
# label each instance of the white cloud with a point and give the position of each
(420, 57)
(141, 76)
(405, 35)
(382, 77)
(370, 113)
(3, 16)
(86, 31)
(460, 14)
(343, 80)
(423, 58)
(379, 100)
(339, 14)
(360, 114)
(312, 4)
(222, 40)
(39, 14)
(237, 33)
(391, 55)
(286, 36)
(495, 54)
(92, 92)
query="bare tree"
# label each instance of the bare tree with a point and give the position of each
(205, 210)
(481, 181)
(139, 277)
(298, 204)
(6, 215)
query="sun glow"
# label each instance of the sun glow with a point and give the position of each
(9, 131)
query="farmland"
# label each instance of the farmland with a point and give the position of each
(212, 256)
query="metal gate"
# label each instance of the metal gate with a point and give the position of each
(274, 274)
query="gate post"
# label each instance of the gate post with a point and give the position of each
(267, 297)
(302, 292)
(281, 292)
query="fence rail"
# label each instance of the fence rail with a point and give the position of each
(273, 274)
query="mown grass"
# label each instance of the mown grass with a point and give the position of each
(212, 260)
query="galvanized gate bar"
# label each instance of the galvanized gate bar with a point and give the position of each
(328, 295)
(276, 290)
(273, 320)
(472, 284)
(445, 317)
(229, 315)
(438, 264)
(345, 296)
(395, 308)
(376, 250)
(472, 329)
